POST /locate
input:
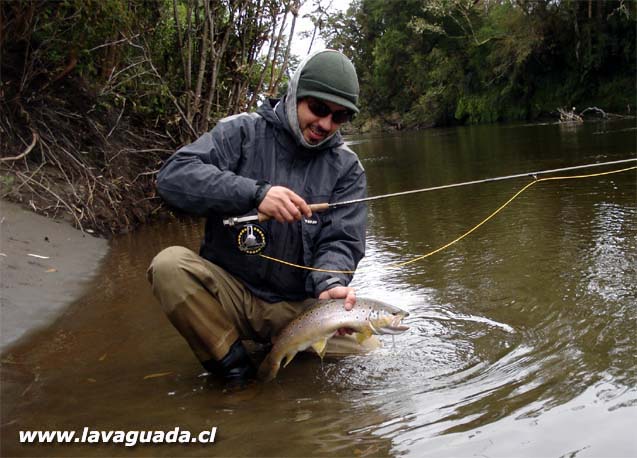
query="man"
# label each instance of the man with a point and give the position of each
(278, 160)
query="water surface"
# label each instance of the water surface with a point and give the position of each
(522, 338)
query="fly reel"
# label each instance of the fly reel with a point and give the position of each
(251, 239)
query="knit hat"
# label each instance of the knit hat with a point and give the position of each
(331, 76)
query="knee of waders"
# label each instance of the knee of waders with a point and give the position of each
(167, 263)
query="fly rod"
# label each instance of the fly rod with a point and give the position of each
(320, 207)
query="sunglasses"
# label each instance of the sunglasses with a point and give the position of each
(321, 110)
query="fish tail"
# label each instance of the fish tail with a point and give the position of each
(268, 368)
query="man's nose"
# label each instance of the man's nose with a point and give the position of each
(325, 122)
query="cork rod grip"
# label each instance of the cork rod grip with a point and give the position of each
(314, 207)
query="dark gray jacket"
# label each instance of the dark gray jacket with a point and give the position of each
(217, 175)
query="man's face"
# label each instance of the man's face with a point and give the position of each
(318, 118)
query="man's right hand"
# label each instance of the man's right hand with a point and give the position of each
(284, 205)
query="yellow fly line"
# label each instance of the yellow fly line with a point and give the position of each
(447, 245)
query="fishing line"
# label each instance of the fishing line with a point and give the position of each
(533, 175)
(474, 228)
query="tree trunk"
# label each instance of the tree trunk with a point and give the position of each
(203, 61)
(216, 59)
(268, 59)
(295, 13)
(276, 48)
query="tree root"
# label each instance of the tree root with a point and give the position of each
(98, 168)
(24, 153)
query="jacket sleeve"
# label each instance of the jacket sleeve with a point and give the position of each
(199, 178)
(341, 243)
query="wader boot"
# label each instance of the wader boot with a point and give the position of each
(236, 368)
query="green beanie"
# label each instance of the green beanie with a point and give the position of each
(329, 75)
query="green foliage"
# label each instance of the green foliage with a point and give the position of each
(446, 61)
(179, 62)
(478, 108)
(7, 183)
(432, 62)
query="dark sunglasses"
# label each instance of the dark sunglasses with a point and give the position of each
(321, 110)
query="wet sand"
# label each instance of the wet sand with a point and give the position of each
(45, 264)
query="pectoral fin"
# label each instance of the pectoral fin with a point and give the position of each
(288, 358)
(319, 347)
(268, 368)
(364, 335)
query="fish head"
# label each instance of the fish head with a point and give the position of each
(386, 319)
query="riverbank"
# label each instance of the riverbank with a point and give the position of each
(45, 264)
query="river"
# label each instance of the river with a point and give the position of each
(521, 342)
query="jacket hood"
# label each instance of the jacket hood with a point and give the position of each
(290, 106)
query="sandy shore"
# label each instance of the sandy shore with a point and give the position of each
(44, 266)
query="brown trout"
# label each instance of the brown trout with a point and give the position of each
(318, 323)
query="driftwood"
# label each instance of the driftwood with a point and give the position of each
(569, 115)
(596, 110)
(572, 116)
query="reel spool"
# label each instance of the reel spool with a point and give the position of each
(251, 239)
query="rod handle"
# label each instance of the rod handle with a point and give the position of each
(314, 207)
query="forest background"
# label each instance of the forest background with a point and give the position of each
(94, 95)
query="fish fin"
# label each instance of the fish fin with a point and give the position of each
(268, 368)
(319, 347)
(288, 359)
(363, 336)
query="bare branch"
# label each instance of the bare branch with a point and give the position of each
(62, 201)
(25, 152)
(112, 43)
(118, 119)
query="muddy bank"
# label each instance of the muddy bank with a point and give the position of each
(45, 264)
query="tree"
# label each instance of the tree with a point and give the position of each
(437, 62)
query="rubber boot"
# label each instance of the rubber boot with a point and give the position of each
(236, 367)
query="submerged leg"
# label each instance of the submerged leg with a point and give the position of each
(203, 302)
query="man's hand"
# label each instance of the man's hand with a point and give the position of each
(341, 292)
(284, 205)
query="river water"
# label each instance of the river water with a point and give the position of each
(521, 341)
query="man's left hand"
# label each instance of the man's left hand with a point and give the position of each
(341, 292)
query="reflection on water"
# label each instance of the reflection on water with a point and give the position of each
(521, 337)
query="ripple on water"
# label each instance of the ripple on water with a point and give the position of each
(426, 377)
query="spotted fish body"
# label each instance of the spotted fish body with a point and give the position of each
(318, 323)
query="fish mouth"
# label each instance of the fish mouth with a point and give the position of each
(395, 329)
(393, 326)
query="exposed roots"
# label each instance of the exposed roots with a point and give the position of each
(78, 160)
